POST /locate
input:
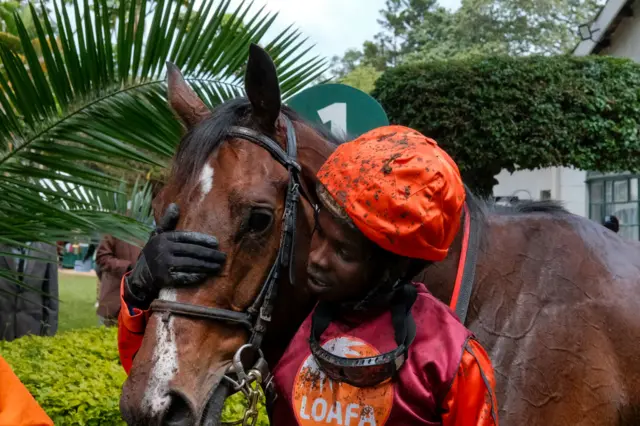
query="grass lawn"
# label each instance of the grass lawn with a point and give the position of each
(77, 301)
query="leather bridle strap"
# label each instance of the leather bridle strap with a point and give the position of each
(466, 266)
(257, 317)
(287, 159)
(263, 306)
(203, 312)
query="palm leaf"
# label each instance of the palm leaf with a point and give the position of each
(86, 93)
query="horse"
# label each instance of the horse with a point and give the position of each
(554, 300)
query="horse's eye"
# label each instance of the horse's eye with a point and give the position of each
(260, 221)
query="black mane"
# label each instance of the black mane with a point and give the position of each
(198, 144)
(484, 207)
(542, 206)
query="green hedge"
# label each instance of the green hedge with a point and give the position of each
(77, 378)
(507, 113)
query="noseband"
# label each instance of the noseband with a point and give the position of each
(258, 316)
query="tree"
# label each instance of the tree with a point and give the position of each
(103, 102)
(8, 26)
(363, 77)
(516, 113)
(525, 27)
(347, 63)
(418, 30)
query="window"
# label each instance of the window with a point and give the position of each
(616, 195)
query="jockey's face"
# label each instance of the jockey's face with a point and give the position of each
(341, 265)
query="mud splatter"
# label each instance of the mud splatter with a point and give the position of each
(386, 167)
(367, 411)
(311, 378)
(387, 136)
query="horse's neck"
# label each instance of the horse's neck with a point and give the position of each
(525, 261)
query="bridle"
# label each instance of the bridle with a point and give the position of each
(258, 316)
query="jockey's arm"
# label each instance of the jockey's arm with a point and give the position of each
(169, 259)
(131, 325)
(471, 401)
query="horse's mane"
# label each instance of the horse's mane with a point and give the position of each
(198, 144)
(484, 206)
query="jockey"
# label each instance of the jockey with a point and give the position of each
(17, 406)
(391, 203)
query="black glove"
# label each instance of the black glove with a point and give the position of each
(171, 259)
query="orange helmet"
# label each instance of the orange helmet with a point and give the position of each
(399, 188)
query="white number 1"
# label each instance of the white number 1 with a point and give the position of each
(337, 115)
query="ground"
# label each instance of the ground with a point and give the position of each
(77, 300)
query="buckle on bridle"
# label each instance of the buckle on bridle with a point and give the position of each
(264, 315)
(249, 383)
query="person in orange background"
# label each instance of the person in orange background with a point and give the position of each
(17, 406)
(391, 203)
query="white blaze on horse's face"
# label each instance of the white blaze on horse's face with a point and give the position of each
(165, 356)
(206, 181)
(165, 362)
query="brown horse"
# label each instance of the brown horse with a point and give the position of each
(555, 300)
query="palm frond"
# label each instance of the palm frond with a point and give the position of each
(89, 92)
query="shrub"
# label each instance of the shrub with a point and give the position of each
(76, 376)
(509, 113)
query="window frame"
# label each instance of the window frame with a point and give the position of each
(594, 177)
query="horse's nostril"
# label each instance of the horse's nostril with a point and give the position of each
(179, 412)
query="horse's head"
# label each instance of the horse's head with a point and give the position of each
(227, 182)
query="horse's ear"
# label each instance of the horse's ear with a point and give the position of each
(184, 101)
(263, 89)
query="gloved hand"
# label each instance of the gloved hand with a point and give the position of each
(171, 259)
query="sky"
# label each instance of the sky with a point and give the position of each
(333, 25)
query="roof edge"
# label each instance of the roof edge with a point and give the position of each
(602, 24)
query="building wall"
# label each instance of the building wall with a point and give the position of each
(624, 40)
(565, 184)
(525, 184)
(573, 190)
